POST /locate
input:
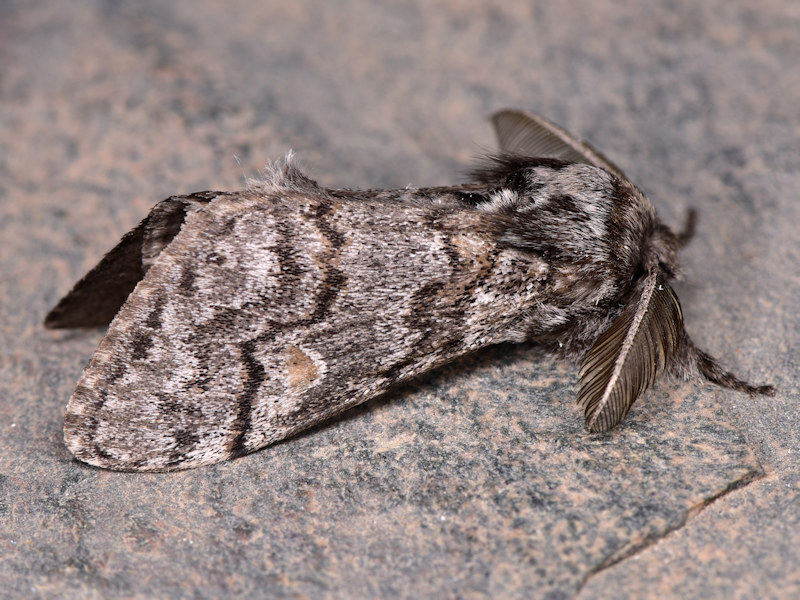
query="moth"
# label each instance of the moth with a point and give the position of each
(241, 318)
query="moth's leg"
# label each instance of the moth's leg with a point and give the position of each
(693, 358)
(689, 228)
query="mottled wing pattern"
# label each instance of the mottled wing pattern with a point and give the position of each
(267, 314)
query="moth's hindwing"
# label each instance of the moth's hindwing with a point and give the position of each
(98, 296)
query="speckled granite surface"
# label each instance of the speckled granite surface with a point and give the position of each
(479, 480)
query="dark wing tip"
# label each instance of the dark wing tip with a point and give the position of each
(56, 319)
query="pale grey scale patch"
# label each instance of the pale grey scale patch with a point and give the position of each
(172, 362)
(278, 270)
(590, 192)
(502, 199)
(255, 289)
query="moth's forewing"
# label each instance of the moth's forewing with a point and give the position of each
(266, 315)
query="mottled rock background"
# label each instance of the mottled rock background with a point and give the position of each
(479, 480)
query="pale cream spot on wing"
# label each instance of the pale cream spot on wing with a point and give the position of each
(302, 371)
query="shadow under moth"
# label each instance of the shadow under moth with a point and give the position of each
(241, 318)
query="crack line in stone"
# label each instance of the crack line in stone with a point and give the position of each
(691, 513)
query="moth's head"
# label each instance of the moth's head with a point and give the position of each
(656, 243)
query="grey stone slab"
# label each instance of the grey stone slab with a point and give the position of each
(744, 546)
(462, 485)
(479, 480)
